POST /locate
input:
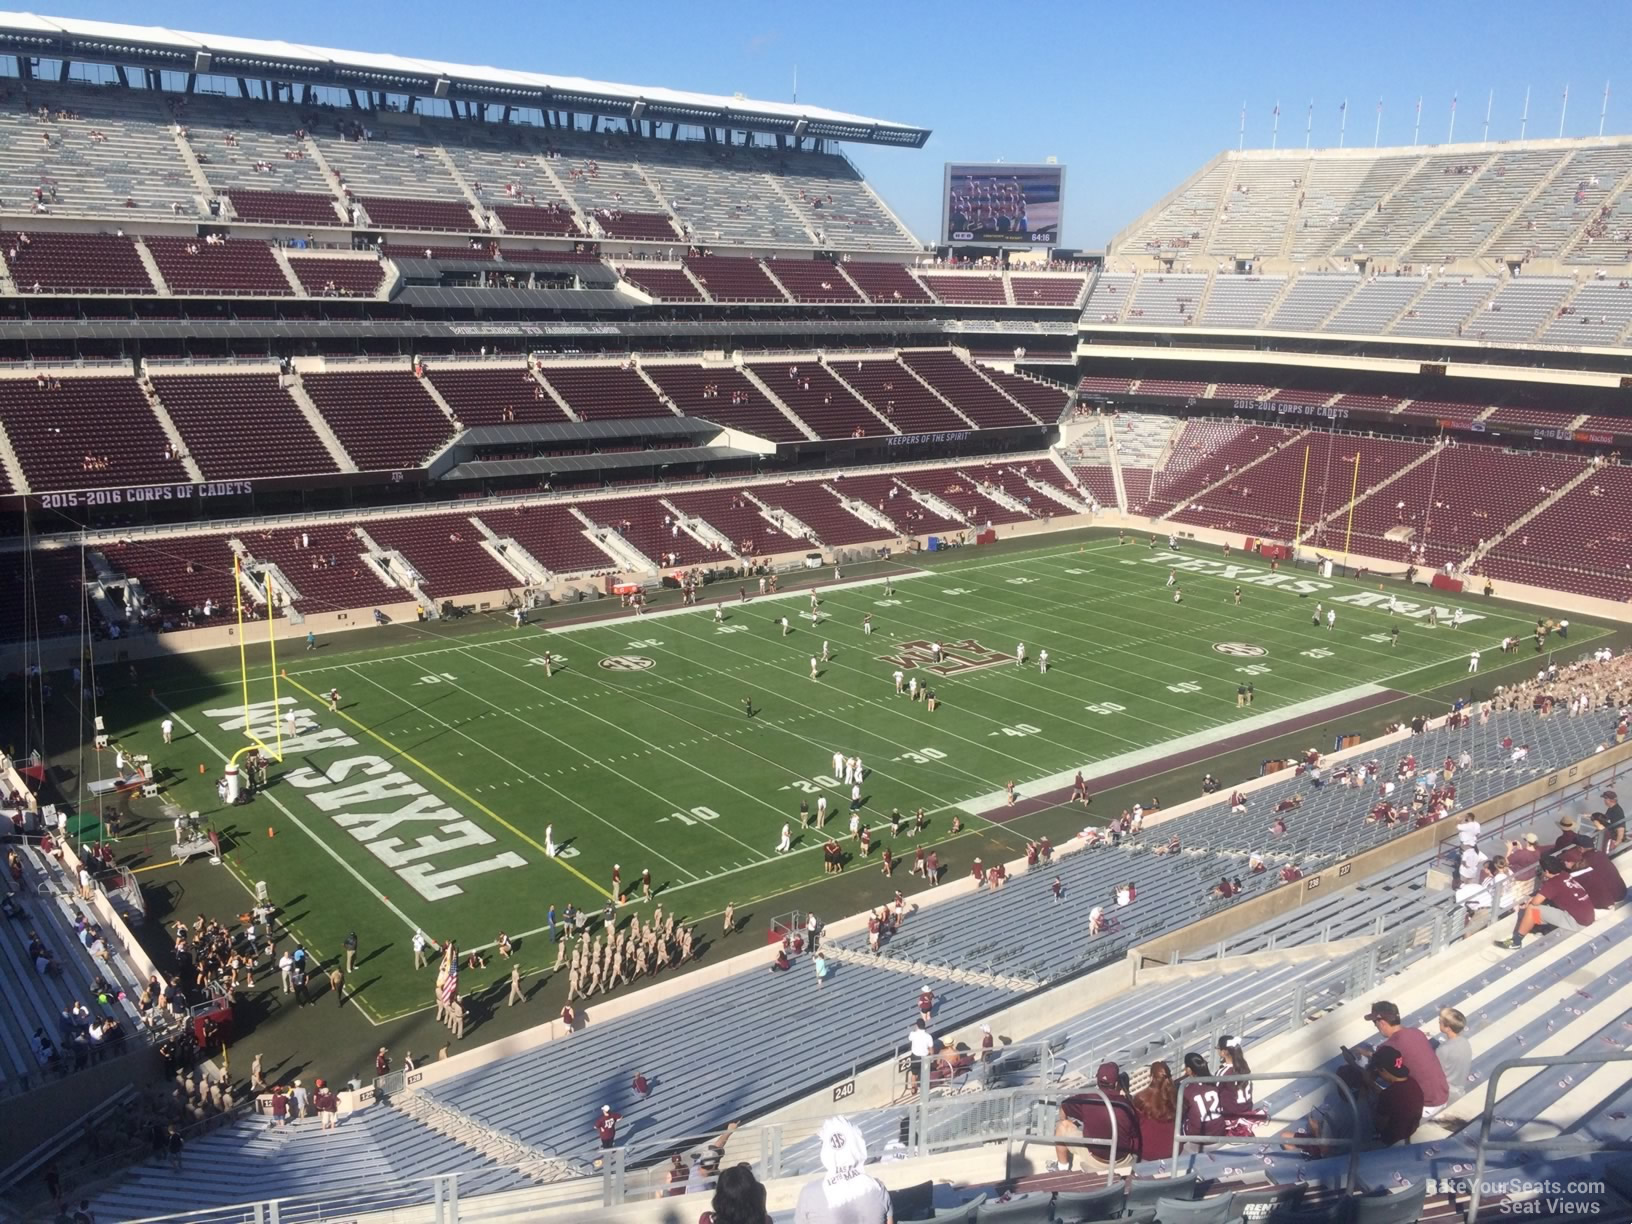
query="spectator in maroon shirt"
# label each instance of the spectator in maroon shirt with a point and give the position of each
(1200, 1107)
(1157, 1105)
(1525, 854)
(1413, 1045)
(1592, 869)
(1569, 834)
(606, 1126)
(1087, 1115)
(1558, 902)
(1398, 1109)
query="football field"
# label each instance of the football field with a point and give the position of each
(428, 799)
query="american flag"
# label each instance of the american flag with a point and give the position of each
(447, 977)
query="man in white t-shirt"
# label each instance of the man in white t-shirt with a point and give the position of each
(168, 726)
(844, 1194)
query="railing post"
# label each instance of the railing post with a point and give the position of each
(773, 1156)
(1300, 1002)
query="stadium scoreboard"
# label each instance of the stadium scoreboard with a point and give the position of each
(1004, 205)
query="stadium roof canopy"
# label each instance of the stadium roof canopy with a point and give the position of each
(62, 38)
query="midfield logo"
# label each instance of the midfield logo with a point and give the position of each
(964, 656)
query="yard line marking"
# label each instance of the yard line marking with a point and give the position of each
(301, 825)
(580, 752)
(468, 798)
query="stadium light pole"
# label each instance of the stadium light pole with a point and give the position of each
(1416, 130)
(1450, 136)
(1275, 128)
(1342, 122)
(1377, 132)
(1241, 133)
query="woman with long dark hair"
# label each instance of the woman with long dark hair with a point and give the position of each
(1235, 1099)
(1200, 1106)
(1157, 1105)
(739, 1198)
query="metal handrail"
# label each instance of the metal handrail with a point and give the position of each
(1351, 1174)
(1487, 1117)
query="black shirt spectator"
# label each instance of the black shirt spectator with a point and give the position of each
(1399, 1098)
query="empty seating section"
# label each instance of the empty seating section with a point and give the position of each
(1444, 306)
(601, 174)
(1176, 388)
(904, 401)
(1340, 191)
(380, 164)
(1519, 309)
(179, 576)
(1241, 391)
(819, 399)
(388, 212)
(640, 521)
(886, 282)
(44, 262)
(1598, 313)
(376, 1160)
(664, 284)
(605, 393)
(726, 396)
(1452, 501)
(634, 226)
(1267, 498)
(1618, 426)
(1100, 481)
(955, 489)
(1252, 220)
(1239, 301)
(841, 209)
(1208, 451)
(503, 171)
(1046, 290)
(1102, 384)
(1160, 300)
(1368, 310)
(46, 596)
(1109, 297)
(727, 195)
(738, 519)
(968, 288)
(242, 425)
(1564, 206)
(812, 280)
(383, 418)
(446, 550)
(1044, 400)
(1309, 300)
(1181, 224)
(890, 499)
(283, 207)
(1444, 410)
(553, 535)
(965, 388)
(1539, 418)
(547, 220)
(84, 433)
(482, 395)
(731, 278)
(338, 277)
(327, 569)
(819, 510)
(1369, 403)
(1417, 198)
(232, 265)
(1580, 543)
(1465, 228)
(92, 152)
(1143, 438)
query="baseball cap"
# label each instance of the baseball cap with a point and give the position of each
(1384, 1010)
(1610, 795)
(1388, 1059)
(606, 1109)
(1108, 1075)
(1566, 822)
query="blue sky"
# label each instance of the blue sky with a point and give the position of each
(1131, 99)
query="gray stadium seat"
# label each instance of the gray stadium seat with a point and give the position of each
(1193, 1211)
(1034, 1208)
(1104, 1204)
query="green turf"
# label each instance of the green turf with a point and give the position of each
(656, 766)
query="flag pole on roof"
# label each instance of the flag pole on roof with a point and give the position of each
(1563, 110)
(1275, 131)
(1416, 130)
(1342, 122)
(1489, 103)
(1241, 134)
(1450, 136)
(1524, 119)
(1309, 124)
(1603, 111)
(1377, 132)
